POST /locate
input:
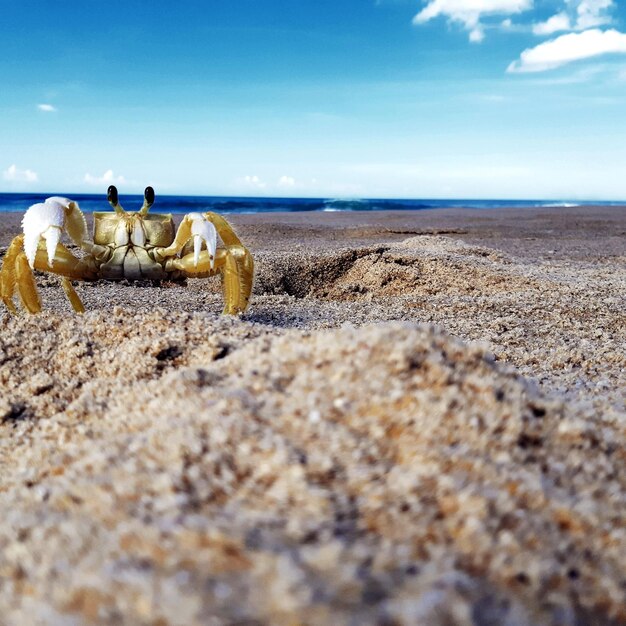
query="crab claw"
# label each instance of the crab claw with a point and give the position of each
(44, 220)
(202, 231)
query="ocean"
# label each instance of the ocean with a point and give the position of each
(17, 202)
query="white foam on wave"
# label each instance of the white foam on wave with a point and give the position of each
(559, 205)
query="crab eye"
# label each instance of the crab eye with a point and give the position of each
(148, 194)
(112, 196)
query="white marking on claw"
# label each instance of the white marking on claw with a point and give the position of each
(64, 202)
(203, 231)
(46, 220)
(52, 236)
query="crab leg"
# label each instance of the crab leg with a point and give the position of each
(68, 267)
(236, 267)
(40, 248)
(237, 278)
(7, 274)
(65, 264)
(196, 226)
(234, 261)
(72, 296)
(225, 230)
(26, 285)
(238, 272)
(16, 272)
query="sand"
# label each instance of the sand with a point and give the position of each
(420, 420)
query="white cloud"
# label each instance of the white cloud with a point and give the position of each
(556, 23)
(477, 34)
(254, 182)
(48, 108)
(592, 13)
(108, 178)
(568, 48)
(583, 14)
(280, 185)
(15, 175)
(470, 12)
(286, 182)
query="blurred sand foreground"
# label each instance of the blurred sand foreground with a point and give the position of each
(420, 420)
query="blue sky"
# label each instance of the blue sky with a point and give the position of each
(349, 98)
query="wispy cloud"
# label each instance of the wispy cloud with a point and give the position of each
(108, 178)
(15, 175)
(469, 13)
(286, 182)
(256, 183)
(577, 21)
(592, 13)
(580, 75)
(282, 185)
(47, 108)
(556, 23)
(577, 15)
(567, 48)
(492, 97)
(252, 182)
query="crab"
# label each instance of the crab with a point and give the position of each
(126, 245)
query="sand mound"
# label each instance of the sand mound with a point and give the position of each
(47, 361)
(559, 322)
(203, 470)
(424, 265)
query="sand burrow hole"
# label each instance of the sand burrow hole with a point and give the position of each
(414, 267)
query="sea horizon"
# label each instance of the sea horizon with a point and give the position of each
(173, 203)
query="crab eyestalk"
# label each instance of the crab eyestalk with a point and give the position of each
(113, 199)
(148, 200)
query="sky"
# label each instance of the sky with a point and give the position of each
(506, 99)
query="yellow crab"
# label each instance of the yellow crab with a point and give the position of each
(133, 245)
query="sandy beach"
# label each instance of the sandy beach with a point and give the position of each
(420, 420)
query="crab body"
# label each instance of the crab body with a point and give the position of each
(132, 245)
(130, 241)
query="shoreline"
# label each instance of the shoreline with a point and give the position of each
(510, 229)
